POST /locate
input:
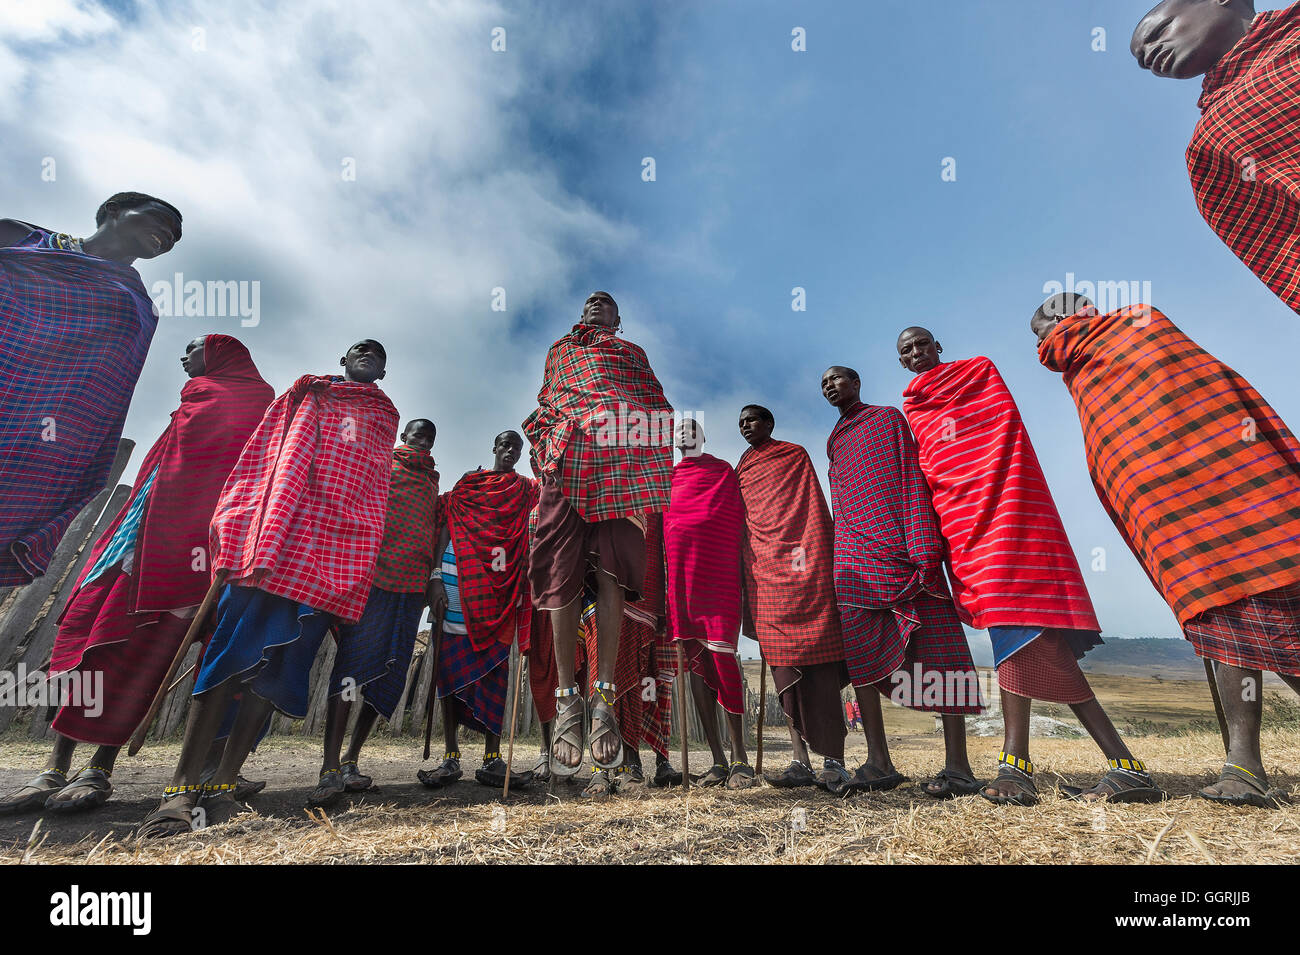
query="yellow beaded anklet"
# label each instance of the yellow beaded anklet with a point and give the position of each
(1015, 762)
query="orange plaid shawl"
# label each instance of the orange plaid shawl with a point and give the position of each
(1199, 474)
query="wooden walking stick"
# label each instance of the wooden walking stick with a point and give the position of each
(1218, 703)
(681, 716)
(762, 711)
(514, 714)
(431, 697)
(192, 634)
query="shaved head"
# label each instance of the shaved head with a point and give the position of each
(1180, 39)
(1059, 306)
(918, 349)
(911, 331)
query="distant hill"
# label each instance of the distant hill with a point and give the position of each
(1145, 656)
(1142, 656)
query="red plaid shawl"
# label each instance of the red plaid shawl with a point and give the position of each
(408, 552)
(1244, 156)
(887, 544)
(302, 514)
(487, 512)
(787, 557)
(74, 332)
(1199, 474)
(602, 427)
(1011, 561)
(702, 531)
(194, 456)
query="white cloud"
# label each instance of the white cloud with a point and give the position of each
(242, 114)
(43, 21)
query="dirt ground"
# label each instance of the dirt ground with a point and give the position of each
(402, 821)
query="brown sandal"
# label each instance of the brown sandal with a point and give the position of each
(178, 812)
(42, 787)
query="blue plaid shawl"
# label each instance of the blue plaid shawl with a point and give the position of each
(74, 333)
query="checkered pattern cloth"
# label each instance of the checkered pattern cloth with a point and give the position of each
(1244, 155)
(376, 652)
(915, 654)
(887, 544)
(656, 725)
(787, 558)
(636, 694)
(74, 333)
(1259, 632)
(542, 676)
(1045, 669)
(602, 427)
(302, 514)
(408, 553)
(1198, 473)
(1012, 563)
(478, 679)
(487, 513)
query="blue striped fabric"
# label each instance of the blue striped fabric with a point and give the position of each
(455, 620)
(123, 542)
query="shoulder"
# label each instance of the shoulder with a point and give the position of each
(15, 230)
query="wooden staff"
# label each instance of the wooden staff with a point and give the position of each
(762, 711)
(1218, 703)
(514, 713)
(682, 690)
(196, 626)
(431, 697)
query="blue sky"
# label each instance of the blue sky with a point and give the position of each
(522, 170)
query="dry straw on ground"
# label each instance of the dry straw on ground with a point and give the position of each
(760, 826)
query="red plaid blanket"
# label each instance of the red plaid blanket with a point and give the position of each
(487, 512)
(887, 544)
(1199, 474)
(303, 512)
(787, 557)
(602, 426)
(1011, 561)
(702, 530)
(1244, 156)
(408, 552)
(194, 456)
(74, 332)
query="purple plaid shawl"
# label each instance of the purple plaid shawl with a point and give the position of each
(888, 549)
(74, 332)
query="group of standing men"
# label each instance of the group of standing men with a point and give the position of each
(296, 518)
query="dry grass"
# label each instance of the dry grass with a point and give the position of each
(756, 826)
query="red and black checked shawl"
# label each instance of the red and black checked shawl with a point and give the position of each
(787, 557)
(303, 512)
(487, 513)
(602, 426)
(1010, 559)
(1244, 156)
(887, 544)
(408, 552)
(74, 333)
(1199, 474)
